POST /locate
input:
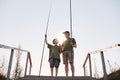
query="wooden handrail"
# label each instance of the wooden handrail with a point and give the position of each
(105, 49)
(99, 51)
(30, 60)
(86, 59)
(8, 47)
(14, 48)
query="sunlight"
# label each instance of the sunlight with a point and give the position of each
(61, 38)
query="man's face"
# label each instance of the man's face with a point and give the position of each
(67, 35)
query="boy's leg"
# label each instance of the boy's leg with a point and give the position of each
(51, 66)
(51, 72)
(57, 62)
(56, 72)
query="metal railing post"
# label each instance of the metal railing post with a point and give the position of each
(87, 58)
(103, 64)
(30, 70)
(10, 64)
(84, 71)
(26, 65)
(90, 66)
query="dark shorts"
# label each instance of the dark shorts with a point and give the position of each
(54, 62)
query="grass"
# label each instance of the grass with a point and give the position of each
(2, 77)
(113, 76)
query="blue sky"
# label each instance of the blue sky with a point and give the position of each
(96, 24)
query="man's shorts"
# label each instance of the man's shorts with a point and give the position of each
(68, 56)
(54, 62)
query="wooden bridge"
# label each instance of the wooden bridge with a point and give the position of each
(85, 77)
(57, 78)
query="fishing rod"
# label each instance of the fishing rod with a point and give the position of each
(44, 39)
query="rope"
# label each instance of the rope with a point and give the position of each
(71, 18)
(44, 40)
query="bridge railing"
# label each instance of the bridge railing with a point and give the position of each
(101, 51)
(28, 59)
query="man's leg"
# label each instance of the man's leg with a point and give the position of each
(65, 61)
(66, 69)
(72, 69)
(71, 59)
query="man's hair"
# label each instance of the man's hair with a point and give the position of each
(66, 32)
(54, 40)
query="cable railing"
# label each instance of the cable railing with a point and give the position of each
(101, 51)
(28, 59)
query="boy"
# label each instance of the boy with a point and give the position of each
(54, 55)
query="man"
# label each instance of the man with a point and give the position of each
(68, 52)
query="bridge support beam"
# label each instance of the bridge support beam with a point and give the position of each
(103, 64)
(26, 66)
(10, 64)
(84, 71)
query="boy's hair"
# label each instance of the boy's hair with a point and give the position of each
(54, 40)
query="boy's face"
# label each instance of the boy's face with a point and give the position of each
(56, 41)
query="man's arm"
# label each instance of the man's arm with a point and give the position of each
(74, 43)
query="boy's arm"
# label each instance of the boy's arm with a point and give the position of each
(60, 48)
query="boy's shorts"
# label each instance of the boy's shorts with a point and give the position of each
(68, 56)
(54, 62)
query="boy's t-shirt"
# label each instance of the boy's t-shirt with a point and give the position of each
(54, 51)
(68, 44)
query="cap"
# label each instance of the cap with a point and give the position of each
(66, 32)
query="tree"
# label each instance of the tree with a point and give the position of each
(18, 69)
(2, 69)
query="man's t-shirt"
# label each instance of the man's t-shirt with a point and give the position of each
(68, 44)
(54, 51)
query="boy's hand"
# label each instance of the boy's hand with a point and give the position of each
(60, 45)
(46, 39)
(45, 35)
(60, 48)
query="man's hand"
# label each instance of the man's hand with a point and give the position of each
(74, 45)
